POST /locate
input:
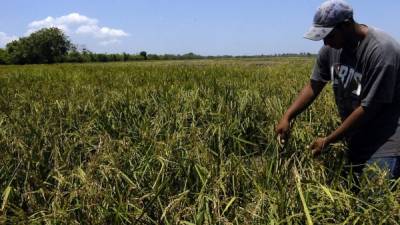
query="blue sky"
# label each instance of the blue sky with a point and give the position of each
(180, 26)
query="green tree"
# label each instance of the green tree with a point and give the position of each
(16, 52)
(143, 54)
(125, 56)
(48, 45)
(74, 56)
(86, 55)
(4, 58)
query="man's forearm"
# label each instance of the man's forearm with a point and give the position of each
(304, 99)
(351, 122)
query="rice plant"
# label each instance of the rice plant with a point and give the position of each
(174, 142)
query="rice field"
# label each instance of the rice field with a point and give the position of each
(175, 142)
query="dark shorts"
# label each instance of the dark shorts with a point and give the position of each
(385, 156)
(391, 164)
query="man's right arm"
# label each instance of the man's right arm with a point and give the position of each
(306, 96)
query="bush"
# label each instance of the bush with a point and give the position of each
(4, 59)
(48, 45)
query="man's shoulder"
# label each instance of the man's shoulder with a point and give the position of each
(327, 52)
(383, 41)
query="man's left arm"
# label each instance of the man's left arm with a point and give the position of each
(354, 120)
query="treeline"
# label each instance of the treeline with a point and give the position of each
(51, 45)
(88, 56)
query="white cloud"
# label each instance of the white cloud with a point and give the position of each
(76, 24)
(42, 23)
(101, 32)
(85, 29)
(75, 18)
(105, 31)
(63, 21)
(4, 39)
(59, 26)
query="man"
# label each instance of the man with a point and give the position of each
(363, 64)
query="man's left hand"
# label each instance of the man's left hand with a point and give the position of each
(318, 145)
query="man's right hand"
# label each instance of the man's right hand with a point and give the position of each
(307, 95)
(282, 130)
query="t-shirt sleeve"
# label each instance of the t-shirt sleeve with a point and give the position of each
(321, 71)
(379, 81)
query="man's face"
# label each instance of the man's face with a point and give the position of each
(335, 38)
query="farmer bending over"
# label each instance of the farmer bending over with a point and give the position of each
(363, 65)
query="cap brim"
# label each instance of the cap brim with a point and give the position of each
(318, 33)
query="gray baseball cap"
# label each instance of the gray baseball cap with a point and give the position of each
(328, 15)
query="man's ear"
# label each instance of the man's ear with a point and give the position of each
(348, 25)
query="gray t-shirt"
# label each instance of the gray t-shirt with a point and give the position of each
(370, 77)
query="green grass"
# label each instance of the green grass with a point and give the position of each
(182, 142)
